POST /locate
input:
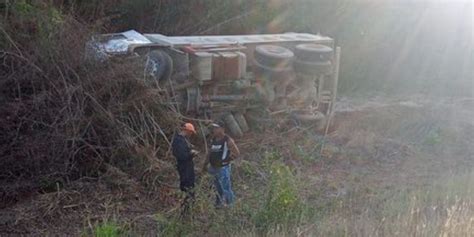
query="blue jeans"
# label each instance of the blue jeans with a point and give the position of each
(223, 185)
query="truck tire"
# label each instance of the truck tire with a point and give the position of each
(261, 69)
(273, 56)
(305, 117)
(239, 117)
(313, 52)
(313, 68)
(232, 125)
(256, 118)
(193, 99)
(158, 67)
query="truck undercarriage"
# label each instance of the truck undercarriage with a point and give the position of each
(240, 79)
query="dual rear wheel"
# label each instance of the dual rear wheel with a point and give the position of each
(236, 124)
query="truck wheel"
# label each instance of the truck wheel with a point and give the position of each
(313, 52)
(273, 56)
(312, 68)
(233, 126)
(257, 118)
(239, 117)
(193, 99)
(158, 67)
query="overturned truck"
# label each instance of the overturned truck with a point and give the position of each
(241, 79)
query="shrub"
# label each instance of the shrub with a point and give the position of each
(62, 118)
(107, 229)
(282, 207)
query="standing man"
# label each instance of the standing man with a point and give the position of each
(222, 152)
(184, 154)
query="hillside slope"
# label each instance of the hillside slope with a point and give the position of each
(85, 148)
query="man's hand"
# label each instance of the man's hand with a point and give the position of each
(194, 153)
(228, 160)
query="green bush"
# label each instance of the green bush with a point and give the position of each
(282, 207)
(107, 229)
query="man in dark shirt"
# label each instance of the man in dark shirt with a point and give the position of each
(223, 151)
(184, 154)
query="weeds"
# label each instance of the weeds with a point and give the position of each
(443, 209)
(433, 138)
(282, 206)
(64, 119)
(107, 229)
(261, 210)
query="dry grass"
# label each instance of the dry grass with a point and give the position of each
(63, 119)
(444, 209)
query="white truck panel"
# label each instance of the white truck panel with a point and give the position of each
(234, 39)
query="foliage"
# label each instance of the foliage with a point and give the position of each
(282, 206)
(107, 229)
(35, 21)
(62, 118)
(434, 137)
(275, 208)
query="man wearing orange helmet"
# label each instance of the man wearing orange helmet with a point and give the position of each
(184, 154)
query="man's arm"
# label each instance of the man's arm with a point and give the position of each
(234, 150)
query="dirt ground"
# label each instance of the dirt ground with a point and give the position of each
(382, 144)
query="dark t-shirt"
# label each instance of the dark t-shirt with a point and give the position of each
(219, 152)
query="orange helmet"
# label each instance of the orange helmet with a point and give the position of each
(189, 127)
